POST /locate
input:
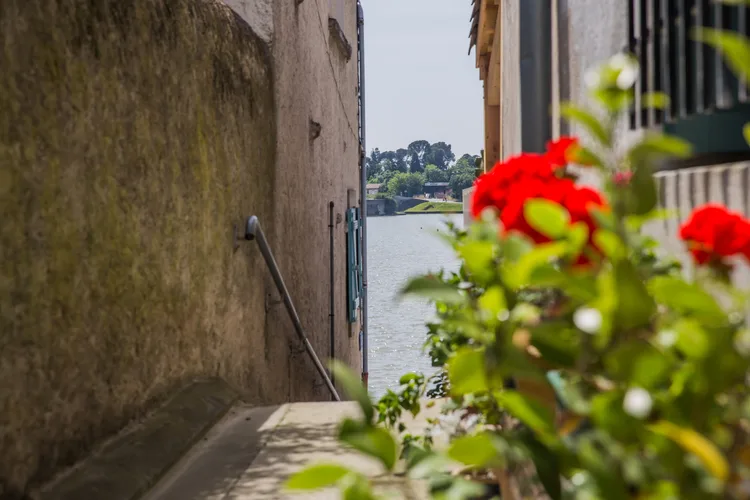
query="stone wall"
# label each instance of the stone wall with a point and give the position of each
(318, 158)
(133, 135)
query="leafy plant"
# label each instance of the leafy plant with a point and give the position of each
(568, 342)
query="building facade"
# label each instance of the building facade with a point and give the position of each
(532, 55)
(129, 165)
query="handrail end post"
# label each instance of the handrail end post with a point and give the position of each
(251, 228)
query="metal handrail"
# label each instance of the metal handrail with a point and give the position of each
(253, 231)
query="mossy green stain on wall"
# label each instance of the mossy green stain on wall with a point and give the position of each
(133, 135)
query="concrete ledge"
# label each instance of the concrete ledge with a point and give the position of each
(129, 464)
(467, 194)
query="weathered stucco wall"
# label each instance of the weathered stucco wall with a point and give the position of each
(133, 134)
(589, 32)
(510, 113)
(314, 83)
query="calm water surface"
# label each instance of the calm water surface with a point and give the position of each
(398, 248)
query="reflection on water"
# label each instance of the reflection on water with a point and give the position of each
(398, 248)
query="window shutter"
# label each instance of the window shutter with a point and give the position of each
(353, 263)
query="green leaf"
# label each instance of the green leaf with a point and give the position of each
(734, 47)
(613, 100)
(357, 487)
(493, 304)
(547, 217)
(687, 299)
(353, 388)
(746, 132)
(656, 100)
(479, 450)
(517, 275)
(643, 195)
(638, 363)
(316, 477)
(460, 489)
(607, 482)
(584, 156)
(514, 247)
(659, 146)
(466, 372)
(578, 236)
(692, 339)
(547, 465)
(373, 441)
(429, 466)
(557, 343)
(696, 444)
(604, 218)
(635, 222)
(405, 379)
(635, 306)
(478, 257)
(587, 120)
(535, 416)
(434, 289)
(610, 244)
(607, 413)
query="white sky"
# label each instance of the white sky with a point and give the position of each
(421, 84)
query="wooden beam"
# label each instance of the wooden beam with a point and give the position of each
(494, 79)
(493, 72)
(491, 132)
(487, 19)
(484, 66)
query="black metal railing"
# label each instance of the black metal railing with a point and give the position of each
(253, 231)
(692, 74)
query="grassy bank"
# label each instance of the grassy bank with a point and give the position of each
(429, 207)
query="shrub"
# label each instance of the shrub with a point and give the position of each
(567, 342)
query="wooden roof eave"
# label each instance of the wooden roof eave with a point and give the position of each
(474, 30)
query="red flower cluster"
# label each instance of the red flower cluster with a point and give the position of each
(509, 185)
(713, 233)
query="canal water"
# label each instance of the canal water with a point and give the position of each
(398, 248)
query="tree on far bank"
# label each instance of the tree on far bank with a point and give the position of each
(434, 162)
(441, 155)
(406, 184)
(418, 150)
(462, 175)
(432, 173)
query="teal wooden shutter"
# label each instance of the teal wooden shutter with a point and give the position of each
(353, 263)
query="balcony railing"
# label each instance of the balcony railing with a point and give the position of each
(691, 73)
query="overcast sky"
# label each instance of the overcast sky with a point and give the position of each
(421, 84)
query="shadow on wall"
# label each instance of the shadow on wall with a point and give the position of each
(133, 134)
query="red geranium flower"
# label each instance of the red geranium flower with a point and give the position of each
(493, 188)
(509, 185)
(579, 204)
(713, 233)
(559, 151)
